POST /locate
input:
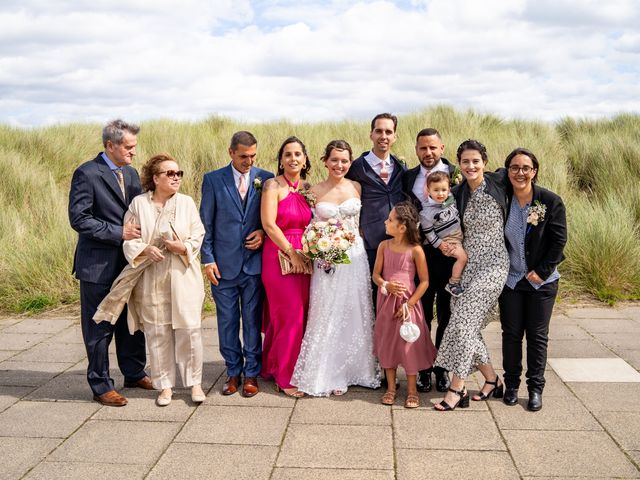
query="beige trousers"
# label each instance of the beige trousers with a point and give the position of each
(168, 348)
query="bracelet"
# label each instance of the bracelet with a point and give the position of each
(383, 288)
(289, 250)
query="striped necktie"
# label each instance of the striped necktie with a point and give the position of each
(120, 177)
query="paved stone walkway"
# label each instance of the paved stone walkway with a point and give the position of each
(50, 428)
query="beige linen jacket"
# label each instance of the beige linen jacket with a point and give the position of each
(187, 286)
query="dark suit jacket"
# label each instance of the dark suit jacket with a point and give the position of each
(96, 212)
(409, 178)
(228, 222)
(544, 243)
(378, 198)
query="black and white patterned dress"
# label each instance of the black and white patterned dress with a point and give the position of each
(462, 348)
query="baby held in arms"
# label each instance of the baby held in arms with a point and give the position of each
(440, 223)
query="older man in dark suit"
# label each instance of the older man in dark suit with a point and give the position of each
(429, 150)
(101, 190)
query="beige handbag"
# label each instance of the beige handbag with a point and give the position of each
(286, 267)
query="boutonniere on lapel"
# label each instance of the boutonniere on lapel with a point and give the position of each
(257, 184)
(456, 176)
(307, 194)
(536, 213)
(402, 161)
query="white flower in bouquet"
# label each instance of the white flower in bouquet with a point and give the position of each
(324, 244)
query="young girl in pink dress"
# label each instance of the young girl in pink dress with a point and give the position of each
(397, 262)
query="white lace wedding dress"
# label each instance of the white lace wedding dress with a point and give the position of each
(337, 348)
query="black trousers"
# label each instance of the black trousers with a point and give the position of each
(526, 310)
(130, 349)
(439, 267)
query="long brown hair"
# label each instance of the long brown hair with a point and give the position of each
(407, 215)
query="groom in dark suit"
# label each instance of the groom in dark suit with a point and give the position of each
(380, 175)
(101, 190)
(230, 212)
(429, 149)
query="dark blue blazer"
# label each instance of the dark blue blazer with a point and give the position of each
(96, 212)
(378, 198)
(228, 222)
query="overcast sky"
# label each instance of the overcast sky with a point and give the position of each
(257, 60)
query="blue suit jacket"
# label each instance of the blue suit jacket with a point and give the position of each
(96, 212)
(228, 223)
(378, 198)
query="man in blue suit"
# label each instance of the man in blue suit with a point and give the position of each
(101, 190)
(230, 212)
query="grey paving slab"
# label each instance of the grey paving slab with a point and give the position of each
(594, 370)
(608, 397)
(620, 341)
(595, 312)
(632, 357)
(353, 408)
(558, 413)
(463, 464)
(29, 373)
(72, 334)
(617, 325)
(578, 349)
(53, 352)
(236, 425)
(330, 474)
(562, 331)
(81, 471)
(58, 420)
(21, 454)
(68, 386)
(635, 456)
(40, 325)
(433, 430)
(545, 453)
(268, 397)
(623, 426)
(7, 322)
(10, 395)
(214, 462)
(337, 446)
(20, 341)
(117, 442)
(145, 409)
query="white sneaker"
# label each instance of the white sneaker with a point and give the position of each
(164, 398)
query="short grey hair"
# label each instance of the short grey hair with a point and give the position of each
(115, 129)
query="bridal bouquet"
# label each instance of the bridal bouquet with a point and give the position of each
(327, 242)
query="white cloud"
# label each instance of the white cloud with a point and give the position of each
(306, 60)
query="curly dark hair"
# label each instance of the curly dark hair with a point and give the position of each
(307, 166)
(407, 215)
(151, 168)
(473, 145)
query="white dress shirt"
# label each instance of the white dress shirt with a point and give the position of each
(237, 175)
(376, 163)
(418, 187)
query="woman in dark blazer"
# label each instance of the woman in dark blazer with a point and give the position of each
(536, 233)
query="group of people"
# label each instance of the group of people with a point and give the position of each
(457, 238)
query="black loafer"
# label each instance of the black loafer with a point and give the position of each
(535, 401)
(442, 381)
(423, 383)
(510, 396)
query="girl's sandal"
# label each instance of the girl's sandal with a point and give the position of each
(412, 401)
(389, 397)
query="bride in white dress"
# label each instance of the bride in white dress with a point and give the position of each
(337, 348)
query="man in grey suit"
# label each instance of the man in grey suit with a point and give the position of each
(101, 190)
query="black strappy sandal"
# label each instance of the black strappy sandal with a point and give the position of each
(497, 391)
(463, 402)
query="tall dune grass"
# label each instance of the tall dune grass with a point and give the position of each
(593, 165)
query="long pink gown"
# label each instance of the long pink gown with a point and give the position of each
(287, 296)
(392, 351)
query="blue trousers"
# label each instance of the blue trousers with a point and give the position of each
(236, 298)
(130, 349)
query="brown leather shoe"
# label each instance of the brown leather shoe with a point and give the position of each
(231, 385)
(144, 382)
(250, 387)
(111, 399)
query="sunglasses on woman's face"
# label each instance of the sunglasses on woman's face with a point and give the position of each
(172, 173)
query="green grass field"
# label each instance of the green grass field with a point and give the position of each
(593, 164)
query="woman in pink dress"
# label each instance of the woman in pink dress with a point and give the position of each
(285, 214)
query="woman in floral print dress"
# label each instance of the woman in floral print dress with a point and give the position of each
(481, 201)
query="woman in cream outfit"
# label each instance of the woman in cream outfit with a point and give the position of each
(166, 301)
